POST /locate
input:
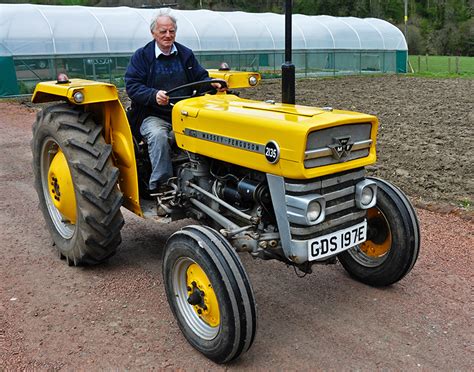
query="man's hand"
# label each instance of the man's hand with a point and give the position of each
(219, 87)
(161, 98)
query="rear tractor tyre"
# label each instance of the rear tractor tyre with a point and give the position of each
(209, 293)
(393, 243)
(76, 184)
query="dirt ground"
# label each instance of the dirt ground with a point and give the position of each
(115, 316)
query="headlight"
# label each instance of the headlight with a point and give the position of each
(314, 211)
(78, 97)
(366, 194)
(306, 210)
(253, 80)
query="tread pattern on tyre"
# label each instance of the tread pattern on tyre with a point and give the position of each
(241, 279)
(237, 285)
(245, 285)
(405, 242)
(415, 225)
(99, 219)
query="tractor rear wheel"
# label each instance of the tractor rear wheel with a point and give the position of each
(209, 293)
(393, 243)
(76, 184)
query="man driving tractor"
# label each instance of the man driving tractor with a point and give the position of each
(161, 65)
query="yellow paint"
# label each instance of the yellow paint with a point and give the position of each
(61, 187)
(370, 248)
(102, 99)
(93, 91)
(235, 79)
(223, 115)
(260, 122)
(209, 313)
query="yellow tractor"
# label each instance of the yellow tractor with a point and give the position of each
(278, 181)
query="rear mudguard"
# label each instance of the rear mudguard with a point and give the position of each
(102, 99)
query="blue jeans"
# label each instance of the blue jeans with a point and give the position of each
(158, 134)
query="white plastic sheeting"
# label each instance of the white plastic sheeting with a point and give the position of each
(29, 30)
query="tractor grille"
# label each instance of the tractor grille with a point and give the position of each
(339, 192)
(337, 144)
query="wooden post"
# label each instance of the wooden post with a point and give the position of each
(449, 65)
(426, 61)
(419, 64)
(457, 65)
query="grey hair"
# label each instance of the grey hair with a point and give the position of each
(163, 13)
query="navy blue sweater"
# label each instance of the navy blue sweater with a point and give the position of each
(139, 76)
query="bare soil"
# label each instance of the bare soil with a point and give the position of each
(115, 316)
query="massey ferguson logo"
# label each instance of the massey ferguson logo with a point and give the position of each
(341, 148)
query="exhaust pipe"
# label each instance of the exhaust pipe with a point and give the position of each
(288, 68)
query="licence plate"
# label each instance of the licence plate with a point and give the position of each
(336, 242)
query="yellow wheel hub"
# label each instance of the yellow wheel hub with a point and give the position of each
(61, 188)
(199, 286)
(371, 248)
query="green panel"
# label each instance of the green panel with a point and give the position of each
(8, 83)
(371, 62)
(263, 60)
(402, 61)
(390, 62)
(320, 63)
(347, 62)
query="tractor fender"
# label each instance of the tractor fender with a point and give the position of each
(102, 99)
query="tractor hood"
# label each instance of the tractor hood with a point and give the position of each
(271, 106)
(289, 140)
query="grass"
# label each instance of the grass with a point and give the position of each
(465, 204)
(442, 66)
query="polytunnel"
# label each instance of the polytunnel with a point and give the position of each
(39, 41)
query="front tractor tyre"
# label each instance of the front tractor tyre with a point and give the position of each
(209, 293)
(393, 240)
(76, 184)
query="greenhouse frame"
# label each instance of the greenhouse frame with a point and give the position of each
(39, 41)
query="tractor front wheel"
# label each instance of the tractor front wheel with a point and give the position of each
(393, 240)
(209, 293)
(76, 184)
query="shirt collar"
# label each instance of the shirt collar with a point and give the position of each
(158, 51)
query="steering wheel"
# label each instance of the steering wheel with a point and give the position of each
(195, 86)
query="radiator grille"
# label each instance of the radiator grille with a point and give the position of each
(337, 144)
(339, 192)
